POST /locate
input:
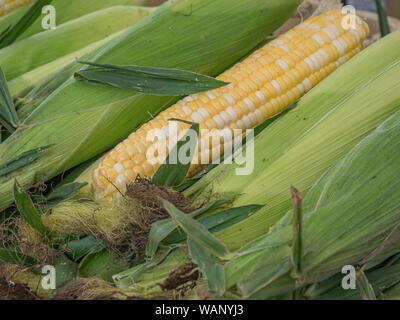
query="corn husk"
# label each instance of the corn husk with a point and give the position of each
(81, 120)
(299, 146)
(382, 280)
(350, 218)
(65, 11)
(21, 85)
(45, 47)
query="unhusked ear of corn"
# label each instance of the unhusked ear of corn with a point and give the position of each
(298, 147)
(350, 217)
(45, 47)
(7, 6)
(81, 120)
(261, 86)
(66, 10)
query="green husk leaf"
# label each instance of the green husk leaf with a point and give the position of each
(297, 242)
(364, 286)
(209, 266)
(128, 277)
(87, 245)
(66, 272)
(23, 85)
(103, 264)
(173, 172)
(43, 48)
(217, 222)
(148, 80)
(62, 193)
(163, 228)
(381, 279)
(66, 11)
(22, 160)
(196, 231)
(383, 20)
(28, 211)
(16, 257)
(8, 115)
(9, 35)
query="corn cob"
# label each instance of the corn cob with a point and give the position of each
(7, 6)
(261, 86)
(94, 118)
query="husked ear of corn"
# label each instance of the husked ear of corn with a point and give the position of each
(45, 47)
(7, 6)
(261, 86)
(351, 217)
(81, 120)
(298, 147)
(66, 10)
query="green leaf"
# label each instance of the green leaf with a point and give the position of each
(16, 257)
(209, 266)
(383, 20)
(8, 114)
(161, 229)
(366, 290)
(62, 193)
(27, 209)
(217, 222)
(66, 272)
(149, 80)
(79, 248)
(297, 227)
(196, 231)
(12, 33)
(22, 160)
(174, 171)
(103, 264)
(128, 277)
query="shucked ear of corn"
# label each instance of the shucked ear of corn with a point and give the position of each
(350, 217)
(261, 86)
(298, 147)
(43, 48)
(66, 10)
(80, 120)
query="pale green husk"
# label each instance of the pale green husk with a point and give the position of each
(351, 217)
(45, 47)
(66, 10)
(21, 85)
